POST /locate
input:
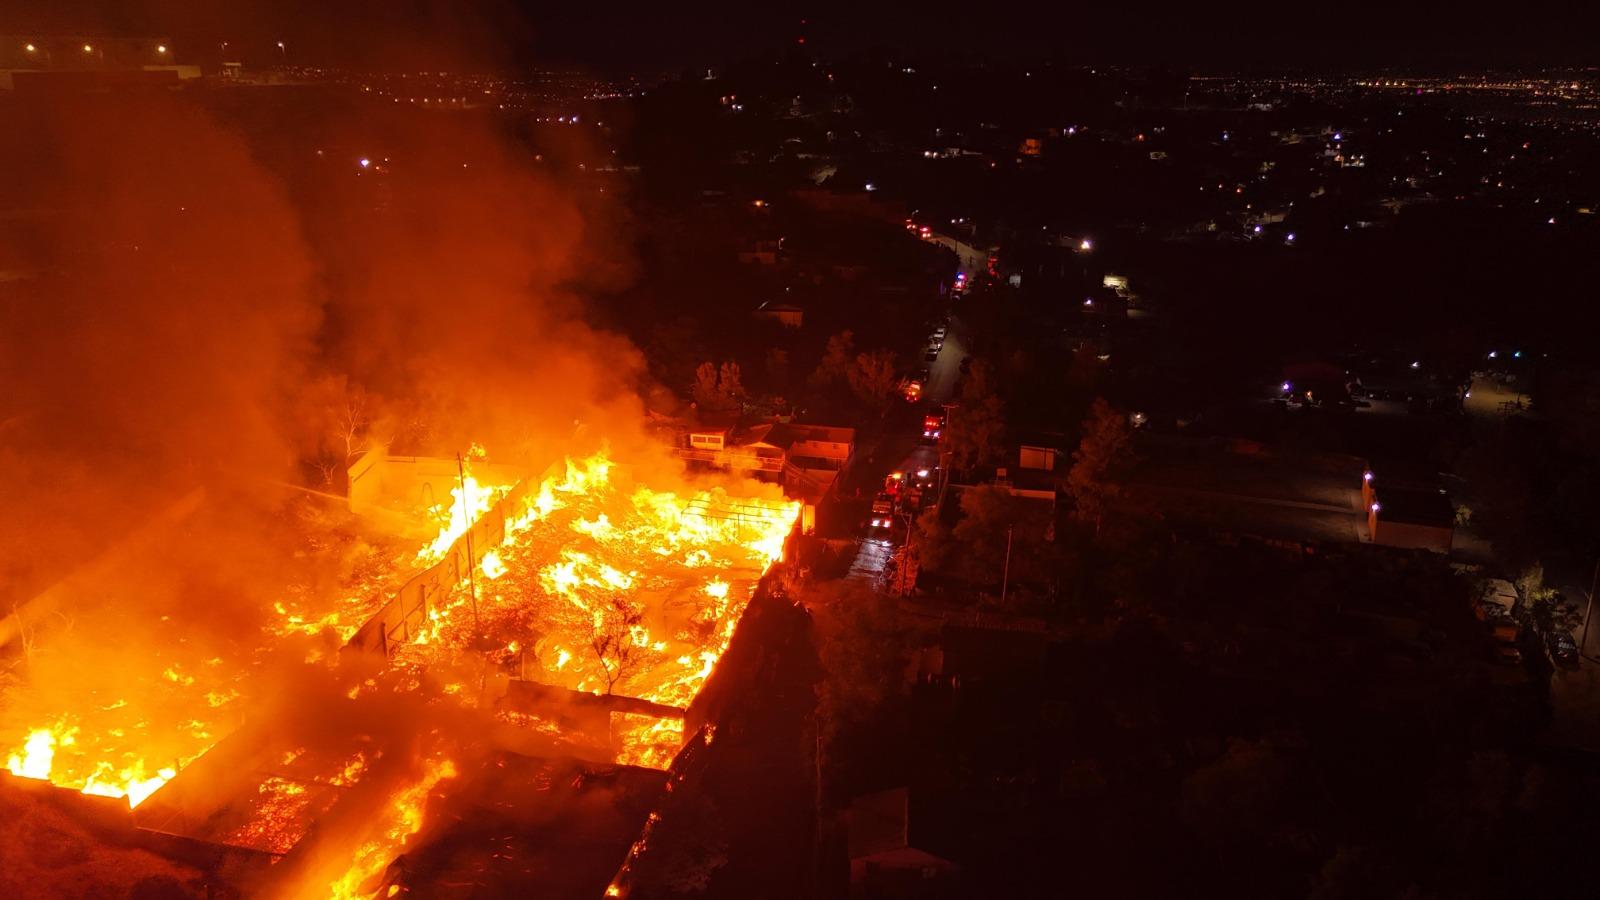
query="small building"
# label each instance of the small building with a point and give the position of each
(806, 459)
(89, 63)
(884, 858)
(1034, 477)
(1407, 507)
(786, 314)
(1414, 518)
(762, 252)
(813, 455)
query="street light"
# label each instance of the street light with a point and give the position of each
(283, 52)
(161, 48)
(30, 48)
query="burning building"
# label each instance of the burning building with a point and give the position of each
(575, 614)
(261, 650)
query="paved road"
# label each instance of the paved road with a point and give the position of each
(906, 452)
(1491, 398)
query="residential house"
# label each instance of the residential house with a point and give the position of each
(884, 860)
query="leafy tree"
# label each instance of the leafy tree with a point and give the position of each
(718, 390)
(777, 370)
(873, 378)
(976, 433)
(730, 385)
(864, 648)
(672, 349)
(974, 549)
(1107, 437)
(837, 360)
(1240, 798)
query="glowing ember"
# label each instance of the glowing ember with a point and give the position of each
(643, 741)
(393, 827)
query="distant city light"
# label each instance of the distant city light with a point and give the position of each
(1256, 230)
(1085, 245)
(1416, 365)
(1376, 507)
(1289, 238)
(1338, 135)
(1516, 354)
(1366, 476)
(88, 48)
(30, 48)
(365, 162)
(1088, 301)
(1493, 354)
(1467, 396)
(871, 187)
(161, 48)
(922, 473)
(1287, 387)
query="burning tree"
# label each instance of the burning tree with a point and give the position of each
(616, 643)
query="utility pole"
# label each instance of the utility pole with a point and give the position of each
(944, 454)
(1005, 578)
(905, 553)
(472, 561)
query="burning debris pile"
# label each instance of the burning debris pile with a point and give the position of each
(592, 621)
(604, 586)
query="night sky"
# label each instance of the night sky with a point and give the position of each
(641, 37)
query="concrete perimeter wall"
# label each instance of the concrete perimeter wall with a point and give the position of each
(397, 621)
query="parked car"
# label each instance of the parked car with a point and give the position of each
(1563, 649)
(931, 355)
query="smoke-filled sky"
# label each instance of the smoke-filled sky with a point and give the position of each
(194, 291)
(198, 297)
(644, 37)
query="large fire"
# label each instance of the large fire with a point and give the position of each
(137, 713)
(605, 586)
(602, 587)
